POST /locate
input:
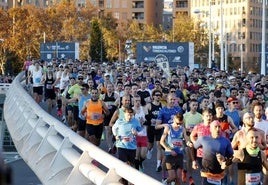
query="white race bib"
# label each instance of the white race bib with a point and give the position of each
(252, 178)
(96, 116)
(214, 181)
(127, 139)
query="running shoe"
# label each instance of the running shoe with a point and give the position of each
(63, 119)
(141, 168)
(158, 168)
(164, 182)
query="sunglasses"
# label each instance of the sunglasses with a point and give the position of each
(80, 78)
(158, 95)
(172, 91)
(234, 102)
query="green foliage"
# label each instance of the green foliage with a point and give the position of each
(97, 50)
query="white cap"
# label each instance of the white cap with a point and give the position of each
(231, 78)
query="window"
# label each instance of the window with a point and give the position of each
(116, 4)
(116, 15)
(93, 2)
(109, 4)
(124, 3)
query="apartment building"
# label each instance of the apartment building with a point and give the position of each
(145, 11)
(242, 25)
(3, 4)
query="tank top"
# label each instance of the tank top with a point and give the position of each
(49, 82)
(94, 113)
(175, 139)
(81, 103)
(109, 101)
(139, 114)
(37, 77)
(64, 81)
(249, 170)
(250, 163)
(121, 113)
(153, 113)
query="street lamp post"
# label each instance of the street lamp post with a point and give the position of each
(209, 38)
(221, 35)
(226, 52)
(241, 56)
(209, 32)
(263, 66)
(173, 27)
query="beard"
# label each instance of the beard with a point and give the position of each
(258, 116)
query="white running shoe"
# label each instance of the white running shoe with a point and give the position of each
(63, 119)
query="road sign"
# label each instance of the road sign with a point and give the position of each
(59, 50)
(174, 53)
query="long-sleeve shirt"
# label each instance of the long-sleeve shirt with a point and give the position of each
(123, 130)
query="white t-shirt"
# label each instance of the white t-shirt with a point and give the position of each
(64, 81)
(262, 125)
(37, 77)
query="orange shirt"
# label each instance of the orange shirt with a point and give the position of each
(94, 112)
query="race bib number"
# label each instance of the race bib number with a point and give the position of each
(95, 116)
(253, 178)
(127, 139)
(177, 143)
(214, 181)
(49, 86)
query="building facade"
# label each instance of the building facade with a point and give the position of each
(242, 26)
(145, 11)
(3, 4)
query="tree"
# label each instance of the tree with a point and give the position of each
(4, 27)
(186, 30)
(97, 49)
(110, 37)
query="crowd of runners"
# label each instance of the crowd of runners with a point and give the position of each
(193, 119)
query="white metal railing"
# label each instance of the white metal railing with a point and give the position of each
(56, 154)
(3, 89)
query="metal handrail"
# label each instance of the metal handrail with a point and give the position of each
(56, 154)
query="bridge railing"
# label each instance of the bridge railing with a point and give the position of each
(55, 153)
